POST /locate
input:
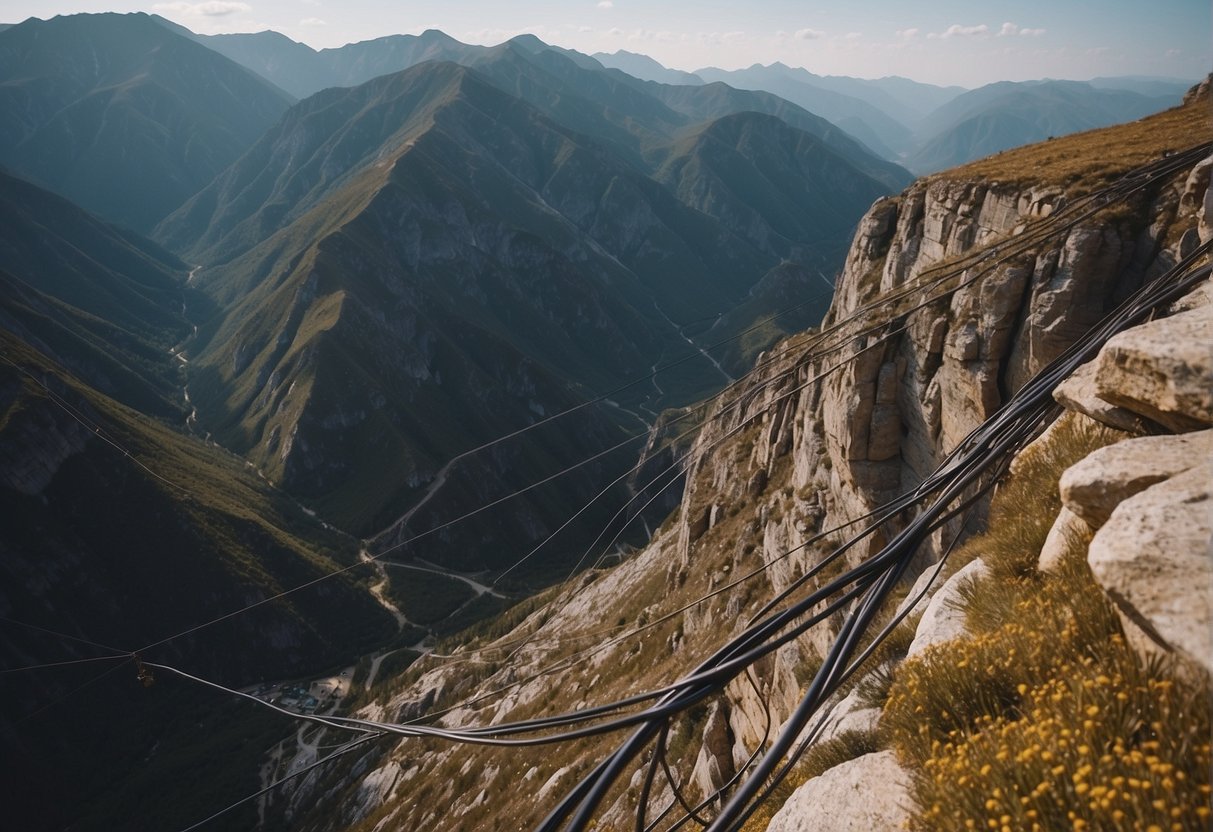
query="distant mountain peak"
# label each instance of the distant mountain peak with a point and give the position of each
(132, 116)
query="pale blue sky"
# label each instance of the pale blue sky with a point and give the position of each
(945, 41)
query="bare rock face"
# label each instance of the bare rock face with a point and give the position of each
(1162, 369)
(901, 400)
(1079, 393)
(1067, 538)
(867, 794)
(1094, 487)
(943, 620)
(1197, 195)
(849, 714)
(1154, 559)
(714, 766)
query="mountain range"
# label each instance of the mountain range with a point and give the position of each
(122, 116)
(268, 312)
(562, 219)
(1004, 115)
(928, 127)
(900, 120)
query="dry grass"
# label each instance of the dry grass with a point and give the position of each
(1043, 717)
(1051, 721)
(1086, 161)
(1027, 502)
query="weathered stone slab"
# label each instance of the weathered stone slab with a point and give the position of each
(1162, 369)
(943, 620)
(1068, 537)
(1094, 487)
(867, 794)
(1079, 393)
(1154, 560)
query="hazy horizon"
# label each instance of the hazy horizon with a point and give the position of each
(965, 44)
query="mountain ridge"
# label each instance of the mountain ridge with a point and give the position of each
(149, 120)
(394, 158)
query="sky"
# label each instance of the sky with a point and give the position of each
(942, 42)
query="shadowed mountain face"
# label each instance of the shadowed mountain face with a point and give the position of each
(123, 116)
(411, 267)
(105, 303)
(121, 530)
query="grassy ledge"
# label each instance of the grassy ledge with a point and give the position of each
(1042, 717)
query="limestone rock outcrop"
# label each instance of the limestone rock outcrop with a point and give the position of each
(944, 618)
(867, 794)
(1154, 559)
(1079, 393)
(1163, 370)
(1093, 488)
(1147, 500)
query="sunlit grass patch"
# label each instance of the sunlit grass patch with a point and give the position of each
(1084, 162)
(1098, 742)
(1027, 502)
(1043, 717)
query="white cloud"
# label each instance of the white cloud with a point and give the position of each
(1010, 29)
(958, 31)
(605, 4)
(908, 34)
(852, 35)
(210, 8)
(809, 34)
(312, 21)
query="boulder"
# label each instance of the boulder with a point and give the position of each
(714, 765)
(867, 794)
(1154, 560)
(1162, 369)
(928, 582)
(1067, 538)
(943, 619)
(1079, 393)
(1094, 487)
(849, 714)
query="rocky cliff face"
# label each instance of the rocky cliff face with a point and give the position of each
(891, 404)
(954, 294)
